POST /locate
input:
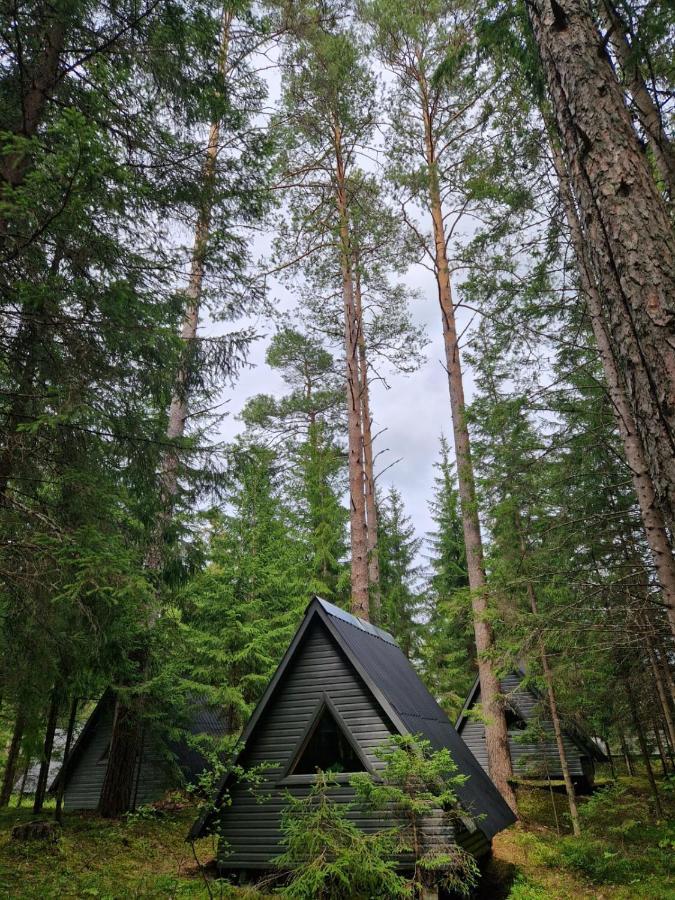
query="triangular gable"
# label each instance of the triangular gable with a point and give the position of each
(327, 745)
(404, 701)
(82, 740)
(571, 730)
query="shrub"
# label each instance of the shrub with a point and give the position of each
(418, 783)
(329, 858)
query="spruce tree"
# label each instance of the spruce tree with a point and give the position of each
(399, 573)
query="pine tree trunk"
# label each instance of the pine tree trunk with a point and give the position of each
(117, 789)
(653, 521)
(116, 793)
(41, 79)
(496, 732)
(610, 757)
(644, 750)
(625, 222)
(656, 728)
(48, 746)
(58, 812)
(357, 507)
(663, 696)
(646, 109)
(12, 761)
(22, 787)
(626, 754)
(552, 703)
(368, 456)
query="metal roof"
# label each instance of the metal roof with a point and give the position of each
(405, 701)
(572, 729)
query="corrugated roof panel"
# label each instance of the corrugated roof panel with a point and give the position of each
(338, 613)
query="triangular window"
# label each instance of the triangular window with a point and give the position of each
(327, 748)
(514, 721)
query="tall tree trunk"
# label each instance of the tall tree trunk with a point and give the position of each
(48, 746)
(552, 701)
(663, 696)
(646, 109)
(653, 521)
(11, 764)
(41, 80)
(610, 757)
(626, 754)
(626, 224)
(644, 750)
(58, 812)
(368, 455)
(656, 728)
(116, 792)
(496, 732)
(360, 604)
(22, 786)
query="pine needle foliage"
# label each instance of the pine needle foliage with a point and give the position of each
(329, 857)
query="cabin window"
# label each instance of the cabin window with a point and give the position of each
(327, 748)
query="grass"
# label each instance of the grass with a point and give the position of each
(623, 854)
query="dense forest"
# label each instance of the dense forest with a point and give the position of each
(229, 231)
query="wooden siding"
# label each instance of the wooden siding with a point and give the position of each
(83, 786)
(249, 827)
(529, 759)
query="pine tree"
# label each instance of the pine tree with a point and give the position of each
(438, 120)
(627, 226)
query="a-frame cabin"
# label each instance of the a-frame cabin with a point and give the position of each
(342, 688)
(531, 759)
(160, 766)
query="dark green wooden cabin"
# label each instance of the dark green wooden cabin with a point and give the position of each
(531, 759)
(342, 688)
(161, 765)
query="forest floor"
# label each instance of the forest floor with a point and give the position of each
(622, 854)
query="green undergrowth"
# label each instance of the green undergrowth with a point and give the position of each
(145, 856)
(623, 853)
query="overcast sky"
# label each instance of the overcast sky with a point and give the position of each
(410, 412)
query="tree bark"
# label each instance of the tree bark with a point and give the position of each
(644, 750)
(656, 728)
(496, 732)
(360, 604)
(368, 456)
(41, 80)
(653, 521)
(47, 748)
(663, 696)
(58, 812)
(626, 755)
(552, 702)
(12, 759)
(118, 784)
(610, 757)
(646, 109)
(22, 788)
(625, 221)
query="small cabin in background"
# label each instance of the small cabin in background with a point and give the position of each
(530, 758)
(341, 690)
(160, 767)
